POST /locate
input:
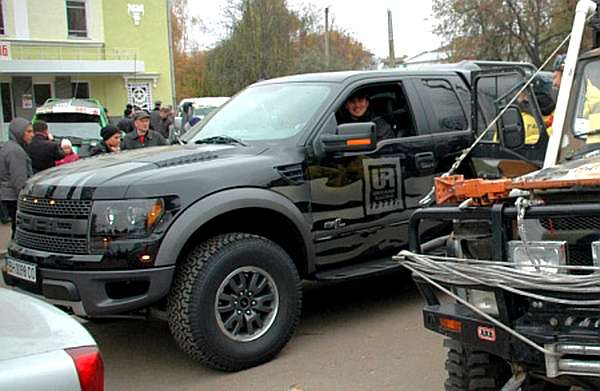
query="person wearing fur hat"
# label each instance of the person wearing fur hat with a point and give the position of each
(111, 141)
(15, 165)
(70, 155)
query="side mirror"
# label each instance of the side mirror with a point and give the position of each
(512, 128)
(178, 123)
(356, 137)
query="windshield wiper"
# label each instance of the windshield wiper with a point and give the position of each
(180, 140)
(221, 140)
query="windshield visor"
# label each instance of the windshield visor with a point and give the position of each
(266, 112)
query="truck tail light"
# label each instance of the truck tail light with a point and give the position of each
(90, 367)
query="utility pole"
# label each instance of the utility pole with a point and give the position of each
(171, 54)
(327, 37)
(392, 60)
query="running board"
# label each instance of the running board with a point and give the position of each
(358, 270)
(572, 359)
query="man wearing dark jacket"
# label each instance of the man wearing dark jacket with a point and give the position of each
(142, 136)
(41, 150)
(15, 166)
(357, 110)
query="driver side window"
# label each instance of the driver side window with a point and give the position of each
(384, 104)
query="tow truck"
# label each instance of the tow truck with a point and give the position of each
(517, 291)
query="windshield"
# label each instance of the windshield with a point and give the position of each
(203, 111)
(582, 134)
(264, 113)
(81, 130)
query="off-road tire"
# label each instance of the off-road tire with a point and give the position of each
(473, 370)
(192, 316)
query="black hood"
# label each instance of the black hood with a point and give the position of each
(109, 176)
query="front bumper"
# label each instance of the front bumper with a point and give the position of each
(98, 293)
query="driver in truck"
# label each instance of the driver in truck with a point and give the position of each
(357, 110)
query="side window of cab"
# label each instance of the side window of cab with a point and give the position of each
(447, 112)
(384, 104)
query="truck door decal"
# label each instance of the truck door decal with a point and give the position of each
(383, 185)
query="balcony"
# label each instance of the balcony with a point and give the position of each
(54, 59)
(70, 53)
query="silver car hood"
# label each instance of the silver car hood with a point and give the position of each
(30, 326)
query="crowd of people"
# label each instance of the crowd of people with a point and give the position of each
(31, 148)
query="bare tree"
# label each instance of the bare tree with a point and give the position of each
(516, 30)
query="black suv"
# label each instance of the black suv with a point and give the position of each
(220, 231)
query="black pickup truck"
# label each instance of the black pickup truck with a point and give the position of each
(219, 231)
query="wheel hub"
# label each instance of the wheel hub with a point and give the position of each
(246, 304)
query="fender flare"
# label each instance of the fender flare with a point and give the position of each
(219, 203)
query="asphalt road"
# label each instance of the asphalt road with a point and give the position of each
(360, 335)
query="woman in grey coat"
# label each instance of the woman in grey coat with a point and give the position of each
(15, 166)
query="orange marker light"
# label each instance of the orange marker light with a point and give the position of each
(451, 325)
(358, 141)
(155, 213)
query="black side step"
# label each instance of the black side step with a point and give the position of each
(358, 270)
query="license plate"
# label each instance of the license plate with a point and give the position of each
(22, 270)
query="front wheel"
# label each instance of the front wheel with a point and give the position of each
(235, 302)
(470, 370)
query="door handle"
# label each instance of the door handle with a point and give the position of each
(425, 161)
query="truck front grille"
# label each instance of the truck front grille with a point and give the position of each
(580, 251)
(55, 244)
(58, 226)
(579, 223)
(62, 208)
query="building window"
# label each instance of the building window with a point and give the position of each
(2, 32)
(140, 94)
(41, 93)
(80, 89)
(76, 18)
(7, 103)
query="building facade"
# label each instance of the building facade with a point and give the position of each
(116, 51)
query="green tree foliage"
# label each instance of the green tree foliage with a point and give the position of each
(266, 39)
(512, 30)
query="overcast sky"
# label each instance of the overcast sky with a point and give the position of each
(366, 20)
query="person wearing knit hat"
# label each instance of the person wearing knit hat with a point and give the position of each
(15, 165)
(70, 155)
(111, 141)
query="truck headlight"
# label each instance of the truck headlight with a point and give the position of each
(126, 218)
(544, 254)
(485, 301)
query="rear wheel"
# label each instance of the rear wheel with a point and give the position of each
(235, 302)
(474, 370)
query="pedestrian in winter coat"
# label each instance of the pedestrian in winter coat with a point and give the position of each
(142, 136)
(15, 166)
(155, 116)
(70, 155)
(111, 141)
(42, 151)
(165, 123)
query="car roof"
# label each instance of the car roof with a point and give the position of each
(72, 102)
(30, 326)
(464, 68)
